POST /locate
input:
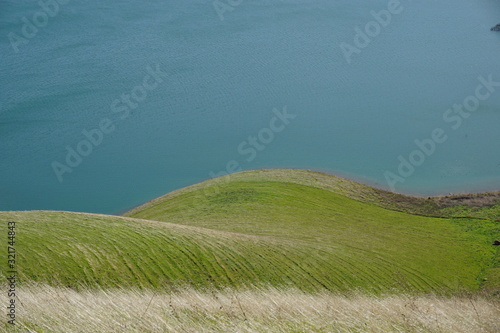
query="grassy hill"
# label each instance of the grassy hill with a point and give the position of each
(480, 205)
(353, 225)
(280, 228)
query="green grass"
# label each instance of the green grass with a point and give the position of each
(480, 206)
(280, 228)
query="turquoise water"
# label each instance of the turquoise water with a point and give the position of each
(222, 81)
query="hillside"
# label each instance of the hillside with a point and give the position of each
(478, 205)
(280, 228)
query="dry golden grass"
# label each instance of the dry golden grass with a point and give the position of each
(50, 309)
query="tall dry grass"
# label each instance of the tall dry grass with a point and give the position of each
(48, 309)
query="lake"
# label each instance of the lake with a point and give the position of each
(105, 105)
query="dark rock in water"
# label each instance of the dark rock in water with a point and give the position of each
(496, 243)
(496, 28)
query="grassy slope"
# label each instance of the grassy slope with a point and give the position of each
(334, 213)
(75, 250)
(276, 227)
(481, 205)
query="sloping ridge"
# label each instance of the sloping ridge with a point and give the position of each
(286, 228)
(478, 205)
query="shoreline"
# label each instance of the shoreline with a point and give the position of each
(417, 194)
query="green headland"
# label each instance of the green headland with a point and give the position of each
(270, 228)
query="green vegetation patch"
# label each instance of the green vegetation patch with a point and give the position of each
(286, 229)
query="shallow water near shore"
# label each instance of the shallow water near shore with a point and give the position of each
(222, 81)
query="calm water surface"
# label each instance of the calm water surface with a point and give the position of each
(223, 79)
